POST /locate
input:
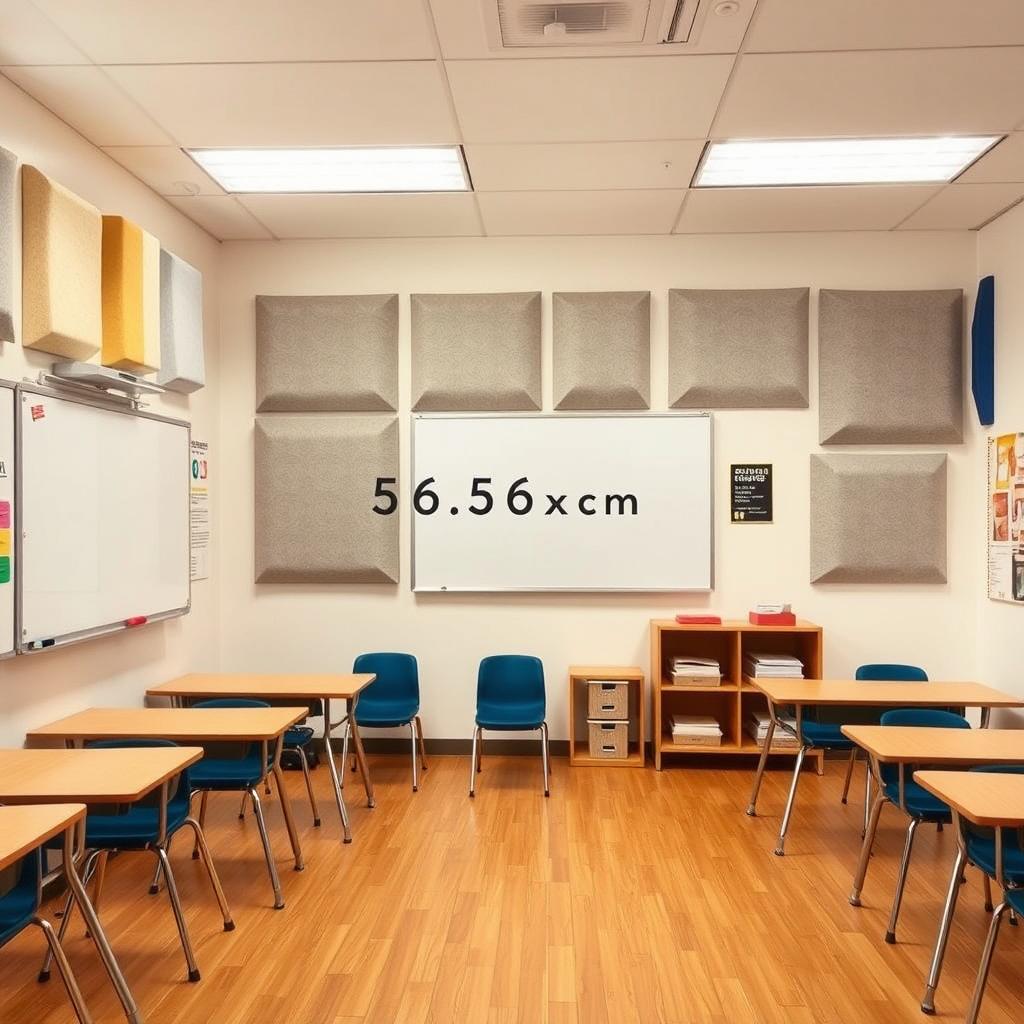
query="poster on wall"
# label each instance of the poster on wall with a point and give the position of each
(199, 508)
(6, 521)
(751, 493)
(1006, 517)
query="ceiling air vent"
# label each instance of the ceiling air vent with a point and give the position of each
(587, 23)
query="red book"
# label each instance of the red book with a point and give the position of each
(699, 620)
(772, 619)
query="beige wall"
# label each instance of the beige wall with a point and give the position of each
(1001, 625)
(322, 628)
(114, 670)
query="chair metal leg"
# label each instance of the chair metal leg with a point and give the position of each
(939, 953)
(344, 754)
(211, 871)
(304, 761)
(901, 881)
(865, 849)
(286, 811)
(780, 846)
(761, 763)
(473, 763)
(544, 757)
(268, 853)
(423, 748)
(849, 774)
(480, 752)
(415, 775)
(867, 801)
(179, 917)
(202, 820)
(986, 963)
(64, 970)
(241, 807)
(988, 892)
(88, 867)
(154, 886)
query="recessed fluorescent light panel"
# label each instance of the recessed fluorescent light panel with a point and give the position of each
(348, 169)
(838, 161)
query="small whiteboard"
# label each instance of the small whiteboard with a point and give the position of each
(103, 514)
(632, 502)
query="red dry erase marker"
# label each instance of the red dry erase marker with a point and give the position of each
(136, 620)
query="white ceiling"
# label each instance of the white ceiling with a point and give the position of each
(597, 140)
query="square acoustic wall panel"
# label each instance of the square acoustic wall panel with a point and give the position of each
(182, 368)
(878, 518)
(326, 353)
(890, 367)
(8, 179)
(738, 348)
(476, 353)
(61, 243)
(315, 481)
(602, 350)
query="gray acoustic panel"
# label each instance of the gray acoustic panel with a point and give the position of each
(602, 350)
(315, 482)
(878, 518)
(326, 353)
(890, 367)
(738, 348)
(182, 368)
(476, 352)
(8, 182)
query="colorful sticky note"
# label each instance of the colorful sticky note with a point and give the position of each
(5, 542)
(5, 569)
(5, 515)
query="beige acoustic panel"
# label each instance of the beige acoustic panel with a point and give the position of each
(315, 482)
(326, 353)
(738, 348)
(602, 350)
(8, 182)
(61, 242)
(878, 518)
(478, 352)
(890, 367)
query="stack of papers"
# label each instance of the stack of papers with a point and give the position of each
(691, 671)
(696, 730)
(772, 609)
(772, 666)
(756, 725)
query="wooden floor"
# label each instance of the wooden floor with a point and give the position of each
(627, 896)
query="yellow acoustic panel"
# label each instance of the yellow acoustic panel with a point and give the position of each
(61, 238)
(131, 297)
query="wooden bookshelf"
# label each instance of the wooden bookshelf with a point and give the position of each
(730, 701)
(579, 746)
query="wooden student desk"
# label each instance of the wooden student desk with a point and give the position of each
(344, 687)
(195, 725)
(802, 693)
(90, 777)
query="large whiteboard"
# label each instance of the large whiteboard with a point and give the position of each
(664, 461)
(103, 514)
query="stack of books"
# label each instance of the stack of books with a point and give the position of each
(690, 671)
(756, 725)
(696, 730)
(772, 666)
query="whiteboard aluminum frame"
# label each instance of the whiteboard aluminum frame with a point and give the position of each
(108, 404)
(577, 414)
(11, 385)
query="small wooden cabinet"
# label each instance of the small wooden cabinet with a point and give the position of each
(579, 747)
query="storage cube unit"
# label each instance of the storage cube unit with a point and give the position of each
(131, 297)
(590, 704)
(608, 740)
(607, 699)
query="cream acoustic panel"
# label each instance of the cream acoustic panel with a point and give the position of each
(1003, 162)
(326, 353)
(601, 345)
(8, 190)
(963, 207)
(738, 348)
(182, 367)
(479, 352)
(61, 244)
(131, 297)
(890, 367)
(621, 212)
(315, 478)
(878, 518)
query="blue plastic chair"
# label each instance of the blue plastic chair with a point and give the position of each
(510, 697)
(22, 894)
(391, 701)
(137, 827)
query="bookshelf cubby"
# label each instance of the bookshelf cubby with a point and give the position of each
(729, 702)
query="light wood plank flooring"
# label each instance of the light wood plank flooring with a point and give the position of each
(628, 896)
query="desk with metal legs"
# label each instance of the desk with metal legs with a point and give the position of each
(803, 693)
(299, 687)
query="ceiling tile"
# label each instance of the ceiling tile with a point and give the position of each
(580, 213)
(963, 207)
(1004, 162)
(587, 100)
(882, 24)
(27, 37)
(88, 101)
(365, 216)
(195, 31)
(507, 167)
(223, 216)
(842, 208)
(381, 103)
(165, 169)
(890, 92)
